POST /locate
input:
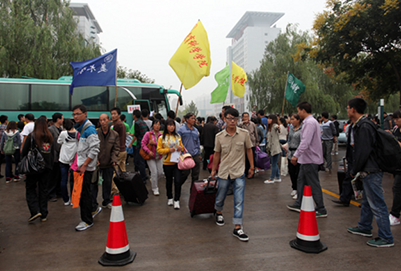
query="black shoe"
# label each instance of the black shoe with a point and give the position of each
(53, 199)
(239, 233)
(341, 202)
(1, 176)
(219, 219)
(32, 218)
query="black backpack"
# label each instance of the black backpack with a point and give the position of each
(387, 151)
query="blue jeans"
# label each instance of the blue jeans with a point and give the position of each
(275, 170)
(238, 189)
(9, 163)
(64, 168)
(373, 204)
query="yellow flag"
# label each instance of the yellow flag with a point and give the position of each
(192, 61)
(238, 80)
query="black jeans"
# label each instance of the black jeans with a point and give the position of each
(396, 208)
(9, 164)
(54, 185)
(107, 174)
(85, 202)
(36, 192)
(208, 151)
(294, 172)
(171, 171)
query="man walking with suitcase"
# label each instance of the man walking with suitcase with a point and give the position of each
(231, 144)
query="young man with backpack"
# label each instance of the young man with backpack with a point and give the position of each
(363, 139)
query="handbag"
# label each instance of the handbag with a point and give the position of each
(261, 159)
(284, 166)
(145, 155)
(33, 162)
(186, 162)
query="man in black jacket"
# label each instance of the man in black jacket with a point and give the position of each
(363, 139)
(208, 135)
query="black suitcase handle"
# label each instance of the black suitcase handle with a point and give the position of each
(210, 188)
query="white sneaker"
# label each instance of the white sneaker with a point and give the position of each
(268, 181)
(176, 205)
(293, 193)
(277, 180)
(156, 192)
(295, 197)
(170, 202)
(393, 220)
(67, 203)
(83, 226)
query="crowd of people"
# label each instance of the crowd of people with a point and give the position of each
(226, 147)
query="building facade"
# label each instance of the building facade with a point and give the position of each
(87, 23)
(249, 38)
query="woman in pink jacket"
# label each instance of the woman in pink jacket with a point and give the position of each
(155, 163)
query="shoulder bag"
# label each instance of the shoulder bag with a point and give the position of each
(145, 155)
(33, 162)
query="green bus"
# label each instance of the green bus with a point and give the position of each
(45, 97)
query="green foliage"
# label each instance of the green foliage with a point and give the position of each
(123, 72)
(39, 38)
(361, 39)
(189, 108)
(267, 84)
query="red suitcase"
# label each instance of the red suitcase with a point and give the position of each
(203, 196)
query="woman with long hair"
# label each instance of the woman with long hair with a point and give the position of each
(167, 144)
(274, 147)
(13, 133)
(155, 163)
(42, 139)
(294, 139)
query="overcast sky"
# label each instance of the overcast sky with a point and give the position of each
(147, 33)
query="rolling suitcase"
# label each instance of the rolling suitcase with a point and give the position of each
(203, 196)
(131, 186)
(341, 173)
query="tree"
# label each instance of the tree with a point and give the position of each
(39, 38)
(361, 40)
(267, 84)
(190, 108)
(123, 72)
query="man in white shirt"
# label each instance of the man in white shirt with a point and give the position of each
(28, 128)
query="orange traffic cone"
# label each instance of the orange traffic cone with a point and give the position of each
(308, 239)
(117, 248)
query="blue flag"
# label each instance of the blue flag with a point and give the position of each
(99, 71)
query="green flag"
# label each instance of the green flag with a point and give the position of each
(293, 89)
(223, 80)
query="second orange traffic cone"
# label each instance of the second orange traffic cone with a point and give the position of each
(308, 238)
(117, 252)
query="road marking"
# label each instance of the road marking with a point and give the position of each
(357, 204)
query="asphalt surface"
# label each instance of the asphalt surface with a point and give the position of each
(168, 239)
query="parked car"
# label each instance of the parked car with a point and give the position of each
(342, 138)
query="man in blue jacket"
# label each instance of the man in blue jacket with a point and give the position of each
(88, 149)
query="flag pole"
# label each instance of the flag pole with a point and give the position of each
(178, 101)
(115, 90)
(285, 88)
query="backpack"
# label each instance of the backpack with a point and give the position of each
(387, 151)
(9, 148)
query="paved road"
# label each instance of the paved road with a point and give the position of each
(166, 239)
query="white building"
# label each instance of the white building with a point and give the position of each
(87, 23)
(249, 38)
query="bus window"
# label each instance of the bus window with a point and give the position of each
(123, 98)
(144, 104)
(14, 96)
(94, 98)
(50, 97)
(159, 106)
